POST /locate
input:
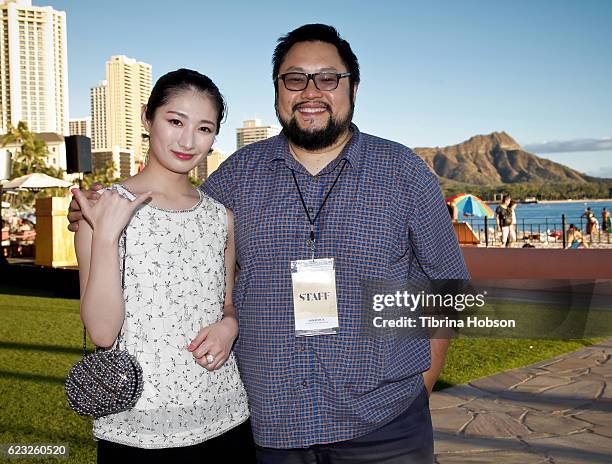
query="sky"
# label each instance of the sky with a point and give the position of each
(433, 73)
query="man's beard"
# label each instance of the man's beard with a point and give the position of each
(318, 139)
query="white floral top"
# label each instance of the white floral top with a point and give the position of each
(174, 286)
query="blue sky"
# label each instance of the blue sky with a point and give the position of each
(433, 73)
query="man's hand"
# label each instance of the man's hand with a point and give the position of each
(439, 347)
(74, 210)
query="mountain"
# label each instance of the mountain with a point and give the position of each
(494, 159)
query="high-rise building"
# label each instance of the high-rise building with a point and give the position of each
(128, 88)
(253, 131)
(33, 67)
(123, 161)
(208, 164)
(80, 126)
(214, 160)
(99, 137)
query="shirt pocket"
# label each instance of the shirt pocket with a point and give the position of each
(270, 231)
(370, 241)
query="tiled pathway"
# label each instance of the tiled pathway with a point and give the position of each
(556, 411)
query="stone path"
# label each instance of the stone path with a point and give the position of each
(556, 411)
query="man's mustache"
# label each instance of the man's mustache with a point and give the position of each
(296, 107)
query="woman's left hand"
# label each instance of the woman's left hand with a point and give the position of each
(214, 343)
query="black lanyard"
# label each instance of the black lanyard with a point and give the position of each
(311, 220)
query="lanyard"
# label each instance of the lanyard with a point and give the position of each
(311, 240)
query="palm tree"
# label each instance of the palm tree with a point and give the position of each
(106, 175)
(32, 157)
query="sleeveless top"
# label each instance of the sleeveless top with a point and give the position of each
(174, 286)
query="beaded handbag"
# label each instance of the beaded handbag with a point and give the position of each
(106, 381)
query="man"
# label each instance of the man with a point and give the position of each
(322, 190)
(605, 220)
(590, 218)
(503, 219)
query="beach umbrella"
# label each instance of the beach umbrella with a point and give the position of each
(469, 204)
(35, 181)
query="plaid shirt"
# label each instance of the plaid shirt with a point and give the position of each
(385, 219)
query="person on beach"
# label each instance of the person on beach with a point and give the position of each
(503, 219)
(606, 223)
(574, 238)
(592, 225)
(171, 248)
(512, 232)
(322, 189)
(453, 211)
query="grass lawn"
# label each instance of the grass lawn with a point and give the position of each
(469, 359)
(41, 336)
(40, 339)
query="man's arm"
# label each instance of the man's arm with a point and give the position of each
(439, 347)
(439, 257)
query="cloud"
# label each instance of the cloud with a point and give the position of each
(568, 146)
(604, 172)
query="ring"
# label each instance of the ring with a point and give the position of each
(210, 359)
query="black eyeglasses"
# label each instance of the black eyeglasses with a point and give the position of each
(326, 81)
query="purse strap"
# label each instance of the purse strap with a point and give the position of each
(124, 235)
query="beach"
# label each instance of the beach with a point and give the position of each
(584, 200)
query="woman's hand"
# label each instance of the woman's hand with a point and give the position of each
(74, 210)
(111, 213)
(214, 343)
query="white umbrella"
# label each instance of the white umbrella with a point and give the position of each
(35, 181)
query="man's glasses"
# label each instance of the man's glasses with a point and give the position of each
(326, 81)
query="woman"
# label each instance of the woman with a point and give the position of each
(512, 228)
(175, 312)
(574, 238)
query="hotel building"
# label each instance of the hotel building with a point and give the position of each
(116, 104)
(33, 67)
(253, 131)
(99, 138)
(80, 126)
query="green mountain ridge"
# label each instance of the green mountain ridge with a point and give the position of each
(495, 159)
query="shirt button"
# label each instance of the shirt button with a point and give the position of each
(310, 209)
(304, 383)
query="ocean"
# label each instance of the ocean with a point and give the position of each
(572, 210)
(547, 216)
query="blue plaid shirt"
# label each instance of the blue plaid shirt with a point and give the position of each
(385, 219)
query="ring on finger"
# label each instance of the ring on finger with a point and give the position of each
(210, 359)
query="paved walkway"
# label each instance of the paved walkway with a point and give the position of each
(556, 411)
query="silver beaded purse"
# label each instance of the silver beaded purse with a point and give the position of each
(106, 381)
